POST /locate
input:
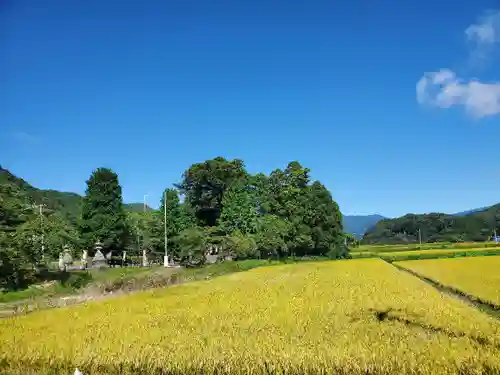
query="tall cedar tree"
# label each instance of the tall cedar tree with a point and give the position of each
(103, 215)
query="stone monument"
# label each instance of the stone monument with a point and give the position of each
(98, 260)
(145, 261)
(84, 261)
(61, 264)
(67, 257)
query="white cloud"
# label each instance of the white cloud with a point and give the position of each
(484, 37)
(486, 31)
(443, 89)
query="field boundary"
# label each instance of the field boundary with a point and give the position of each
(480, 304)
(421, 255)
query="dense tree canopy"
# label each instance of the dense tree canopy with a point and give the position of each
(240, 209)
(204, 185)
(217, 208)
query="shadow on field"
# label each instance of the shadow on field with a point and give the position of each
(400, 316)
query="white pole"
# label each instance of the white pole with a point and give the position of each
(165, 259)
(145, 262)
(40, 207)
(41, 227)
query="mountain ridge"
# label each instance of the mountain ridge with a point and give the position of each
(473, 225)
(67, 203)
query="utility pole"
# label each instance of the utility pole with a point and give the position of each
(43, 234)
(145, 262)
(40, 212)
(165, 259)
(420, 236)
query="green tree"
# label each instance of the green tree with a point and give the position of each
(288, 192)
(21, 249)
(239, 210)
(141, 227)
(103, 215)
(204, 185)
(13, 207)
(11, 262)
(271, 236)
(315, 221)
(259, 185)
(179, 217)
(57, 232)
(14, 211)
(193, 244)
(240, 246)
(351, 240)
(187, 217)
(323, 216)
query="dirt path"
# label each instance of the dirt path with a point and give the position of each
(94, 291)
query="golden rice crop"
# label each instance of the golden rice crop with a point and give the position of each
(450, 246)
(476, 276)
(434, 251)
(345, 317)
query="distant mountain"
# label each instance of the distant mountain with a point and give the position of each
(66, 203)
(468, 212)
(359, 224)
(473, 225)
(137, 207)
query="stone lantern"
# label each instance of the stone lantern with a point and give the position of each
(99, 260)
(67, 257)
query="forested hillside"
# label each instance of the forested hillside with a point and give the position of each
(68, 204)
(436, 227)
(137, 207)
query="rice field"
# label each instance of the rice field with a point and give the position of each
(377, 248)
(478, 277)
(437, 252)
(425, 251)
(345, 317)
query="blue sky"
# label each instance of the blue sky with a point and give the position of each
(150, 87)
